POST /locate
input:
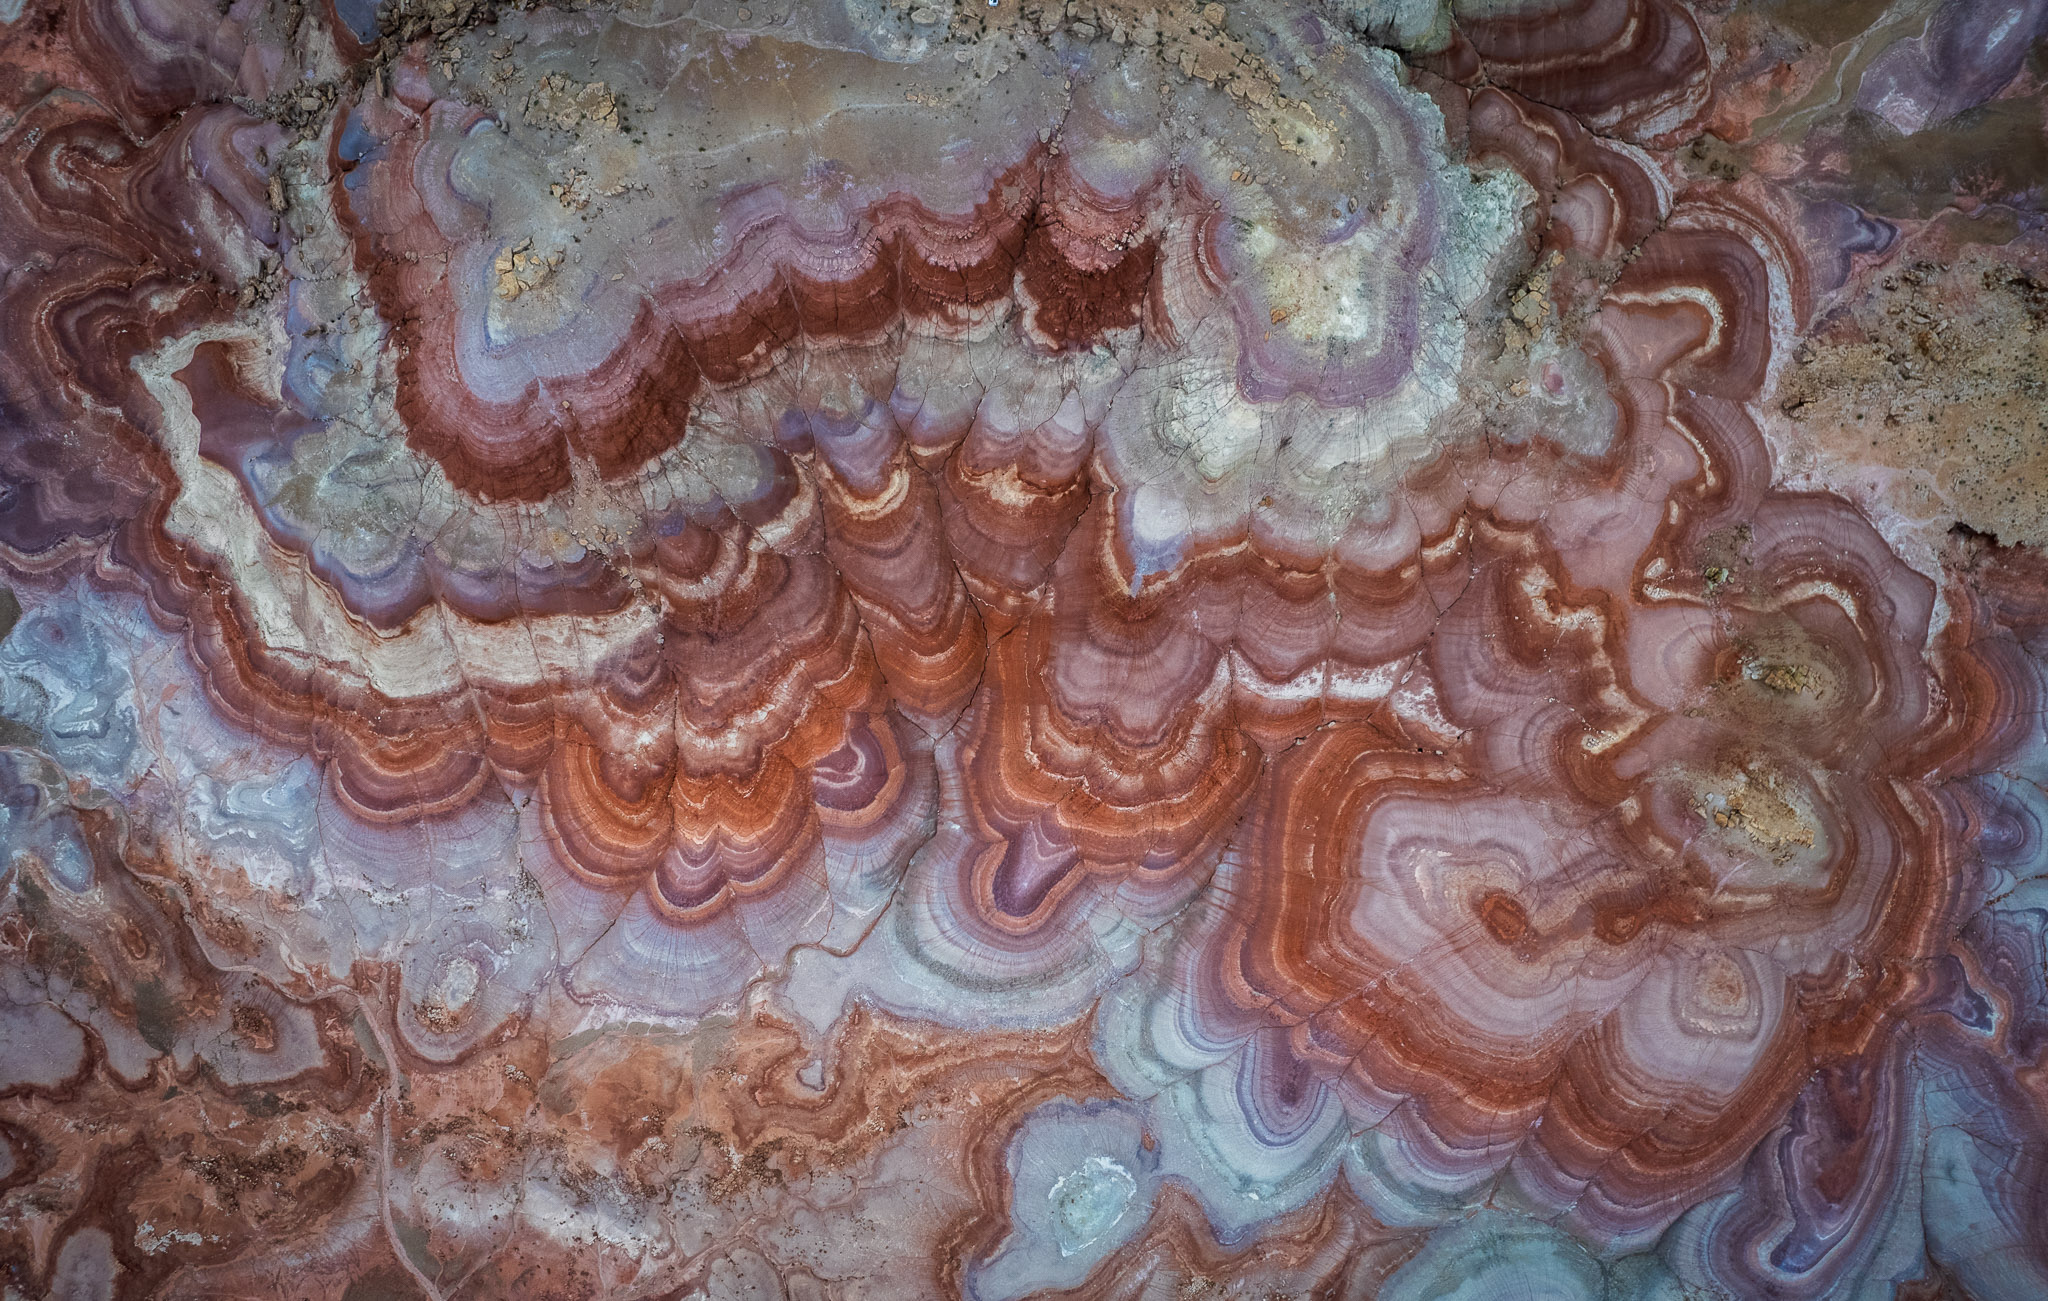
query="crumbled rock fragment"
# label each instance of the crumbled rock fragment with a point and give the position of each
(566, 104)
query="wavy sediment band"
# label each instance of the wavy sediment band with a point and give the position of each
(866, 649)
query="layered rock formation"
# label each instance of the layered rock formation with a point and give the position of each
(855, 649)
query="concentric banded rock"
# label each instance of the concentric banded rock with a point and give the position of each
(856, 649)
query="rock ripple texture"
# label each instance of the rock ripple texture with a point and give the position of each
(844, 649)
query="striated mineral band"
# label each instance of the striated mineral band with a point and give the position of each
(871, 649)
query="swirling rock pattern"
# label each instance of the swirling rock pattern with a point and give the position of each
(870, 649)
